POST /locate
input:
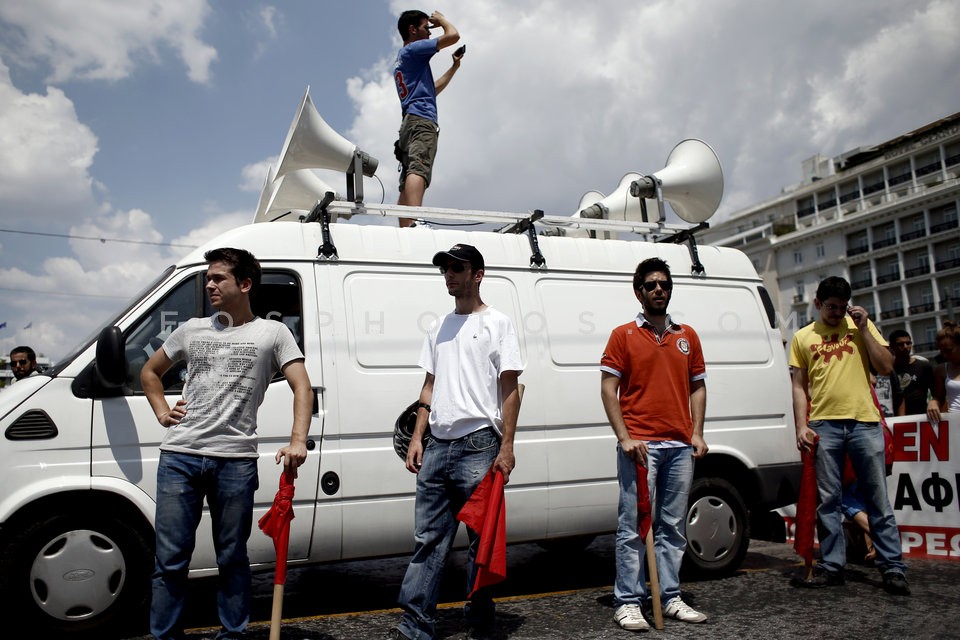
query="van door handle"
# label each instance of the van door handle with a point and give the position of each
(317, 391)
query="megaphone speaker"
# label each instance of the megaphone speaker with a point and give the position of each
(619, 205)
(313, 144)
(692, 180)
(296, 191)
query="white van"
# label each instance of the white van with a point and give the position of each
(80, 450)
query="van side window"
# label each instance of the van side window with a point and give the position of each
(278, 298)
(148, 335)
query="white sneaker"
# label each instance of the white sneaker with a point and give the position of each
(630, 617)
(680, 610)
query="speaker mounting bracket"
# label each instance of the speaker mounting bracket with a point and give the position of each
(326, 251)
(687, 235)
(355, 178)
(527, 226)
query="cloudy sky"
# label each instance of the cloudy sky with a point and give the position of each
(154, 121)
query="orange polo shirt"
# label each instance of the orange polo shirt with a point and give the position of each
(655, 376)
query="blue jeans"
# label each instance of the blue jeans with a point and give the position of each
(183, 480)
(451, 471)
(669, 476)
(863, 443)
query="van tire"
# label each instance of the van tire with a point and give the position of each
(717, 528)
(108, 593)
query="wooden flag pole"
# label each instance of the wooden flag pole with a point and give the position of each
(654, 581)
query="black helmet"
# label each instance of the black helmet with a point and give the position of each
(403, 430)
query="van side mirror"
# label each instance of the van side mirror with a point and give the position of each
(111, 363)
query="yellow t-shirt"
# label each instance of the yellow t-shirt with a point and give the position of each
(838, 368)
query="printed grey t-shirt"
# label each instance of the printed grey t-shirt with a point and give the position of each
(228, 370)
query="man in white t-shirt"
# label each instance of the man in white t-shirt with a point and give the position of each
(210, 447)
(470, 401)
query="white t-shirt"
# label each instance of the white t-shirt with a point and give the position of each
(466, 354)
(228, 370)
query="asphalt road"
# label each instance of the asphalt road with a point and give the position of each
(569, 595)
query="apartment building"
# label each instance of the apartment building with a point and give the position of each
(884, 217)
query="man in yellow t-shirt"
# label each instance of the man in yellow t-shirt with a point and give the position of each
(831, 360)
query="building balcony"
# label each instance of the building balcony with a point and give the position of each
(913, 235)
(891, 313)
(944, 226)
(855, 251)
(798, 299)
(886, 242)
(863, 283)
(948, 303)
(888, 277)
(924, 347)
(917, 271)
(949, 263)
(925, 307)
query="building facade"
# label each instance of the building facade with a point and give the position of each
(884, 217)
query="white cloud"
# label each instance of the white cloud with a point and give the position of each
(269, 17)
(106, 39)
(45, 154)
(253, 175)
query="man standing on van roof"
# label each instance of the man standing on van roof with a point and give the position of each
(831, 360)
(210, 447)
(652, 383)
(418, 99)
(470, 401)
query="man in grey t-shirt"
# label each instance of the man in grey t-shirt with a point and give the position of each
(210, 447)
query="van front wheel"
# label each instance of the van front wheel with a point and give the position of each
(77, 572)
(717, 530)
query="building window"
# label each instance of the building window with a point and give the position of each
(805, 207)
(899, 173)
(849, 192)
(826, 200)
(797, 257)
(872, 182)
(928, 163)
(953, 153)
(821, 252)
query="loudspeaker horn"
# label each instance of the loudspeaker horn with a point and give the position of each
(313, 144)
(619, 205)
(691, 181)
(297, 191)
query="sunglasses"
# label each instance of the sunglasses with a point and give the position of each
(650, 285)
(456, 267)
(20, 363)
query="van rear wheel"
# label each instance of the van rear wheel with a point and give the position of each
(717, 529)
(77, 573)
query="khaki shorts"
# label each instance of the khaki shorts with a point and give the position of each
(418, 146)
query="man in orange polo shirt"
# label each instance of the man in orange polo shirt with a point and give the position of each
(654, 393)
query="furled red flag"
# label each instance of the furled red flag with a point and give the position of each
(644, 510)
(806, 522)
(276, 524)
(486, 513)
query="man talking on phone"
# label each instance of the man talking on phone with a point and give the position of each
(419, 133)
(834, 408)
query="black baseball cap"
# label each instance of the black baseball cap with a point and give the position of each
(461, 252)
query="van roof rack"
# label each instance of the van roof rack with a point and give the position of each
(328, 210)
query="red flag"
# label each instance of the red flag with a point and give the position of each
(486, 513)
(644, 510)
(806, 522)
(276, 524)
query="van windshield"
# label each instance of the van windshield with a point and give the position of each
(86, 342)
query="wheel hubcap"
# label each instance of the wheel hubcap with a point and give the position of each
(77, 575)
(712, 532)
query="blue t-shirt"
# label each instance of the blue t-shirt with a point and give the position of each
(414, 79)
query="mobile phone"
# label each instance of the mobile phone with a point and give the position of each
(459, 52)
